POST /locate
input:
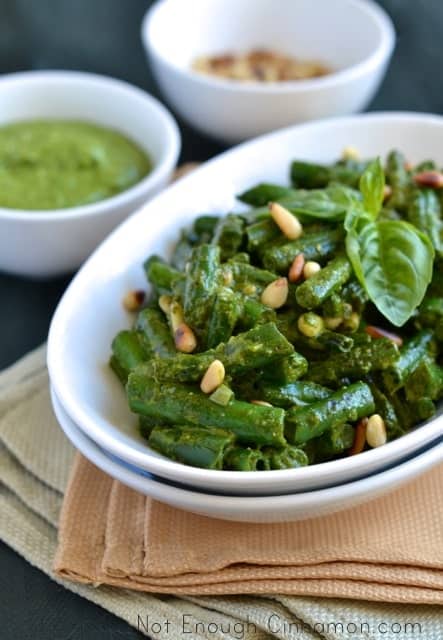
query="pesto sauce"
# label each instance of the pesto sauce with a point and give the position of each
(54, 164)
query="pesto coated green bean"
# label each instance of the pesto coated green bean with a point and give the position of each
(346, 405)
(177, 402)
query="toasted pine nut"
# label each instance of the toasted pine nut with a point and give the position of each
(296, 268)
(387, 192)
(376, 431)
(350, 153)
(228, 277)
(359, 438)
(377, 332)
(175, 315)
(261, 403)
(431, 179)
(276, 293)
(353, 322)
(184, 338)
(333, 323)
(249, 289)
(213, 378)
(311, 325)
(133, 300)
(288, 223)
(164, 302)
(310, 269)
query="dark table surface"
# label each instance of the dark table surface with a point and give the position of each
(103, 36)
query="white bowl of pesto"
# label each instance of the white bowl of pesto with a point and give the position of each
(91, 311)
(78, 154)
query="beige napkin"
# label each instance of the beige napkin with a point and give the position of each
(390, 549)
(35, 459)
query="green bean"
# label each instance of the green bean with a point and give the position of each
(386, 409)
(399, 180)
(161, 275)
(146, 425)
(314, 291)
(346, 405)
(243, 459)
(318, 246)
(241, 256)
(261, 232)
(205, 225)
(247, 274)
(254, 312)
(263, 193)
(334, 306)
(298, 393)
(284, 458)
(333, 442)
(430, 312)
(224, 315)
(286, 369)
(228, 235)
(426, 380)
(201, 287)
(253, 349)
(195, 446)
(426, 165)
(128, 350)
(182, 253)
(373, 355)
(175, 402)
(423, 409)
(424, 211)
(309, 175)
(354, 294)
(152, 325)
(410, 356)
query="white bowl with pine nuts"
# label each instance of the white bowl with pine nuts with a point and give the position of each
(354, 38)
(91, 311)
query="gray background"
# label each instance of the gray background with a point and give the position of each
(103, 36)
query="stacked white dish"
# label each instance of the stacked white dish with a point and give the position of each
(90, 402)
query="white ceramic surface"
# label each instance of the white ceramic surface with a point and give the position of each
(286, 508)
(354, 37)
(45, 243)
(90, 313)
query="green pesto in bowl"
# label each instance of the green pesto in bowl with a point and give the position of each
(55, 164)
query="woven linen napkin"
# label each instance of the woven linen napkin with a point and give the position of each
(35, 459)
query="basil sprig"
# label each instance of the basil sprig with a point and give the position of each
(392, 259)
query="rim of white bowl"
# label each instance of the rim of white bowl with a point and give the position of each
(393, 476)
(160, 466)
(381, 53)
(161, 169)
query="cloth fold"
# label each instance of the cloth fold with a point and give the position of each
(35, 459)
(390, 549)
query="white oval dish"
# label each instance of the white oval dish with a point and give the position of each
(234, 111)
(90, 313)
(46, 243)
(286, 508)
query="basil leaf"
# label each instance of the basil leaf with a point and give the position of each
(264, 193)
(372, 184)
(329, 204)
(393, 261)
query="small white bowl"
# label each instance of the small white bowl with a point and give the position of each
(354, 37)
(91, 313)
(46, 243)
(260, 509)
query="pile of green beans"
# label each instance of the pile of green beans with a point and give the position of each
(296, 378)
